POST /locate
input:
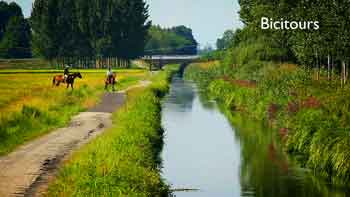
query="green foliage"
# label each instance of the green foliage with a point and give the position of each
(256, 49)
(125, 160)
(203, 74)
(160, 81)
(174, 41)
(309, 47)
(85, 28)
(212, 55)
(322, 143)
(226, 41)
(15, 35)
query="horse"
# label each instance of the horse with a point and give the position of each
(111, 81)
(69, 81)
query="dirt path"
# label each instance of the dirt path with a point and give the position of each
(26, 171)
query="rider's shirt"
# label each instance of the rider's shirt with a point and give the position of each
(109, 73)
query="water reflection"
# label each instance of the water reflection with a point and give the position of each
(195, 156)
(181, 97)
(227, 155)
(267, 171)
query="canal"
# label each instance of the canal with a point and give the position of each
(209, 153)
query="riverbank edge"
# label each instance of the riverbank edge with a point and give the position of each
(125, 160)
(230, 95)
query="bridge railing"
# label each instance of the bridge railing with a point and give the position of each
(171, 57)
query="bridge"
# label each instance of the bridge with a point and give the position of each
(158, 61)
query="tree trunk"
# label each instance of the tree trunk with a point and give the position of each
(346, 73)
(329, 67)
(342, 78)
(128, 62)
(317, 68)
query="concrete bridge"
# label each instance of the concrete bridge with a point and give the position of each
(158, 61)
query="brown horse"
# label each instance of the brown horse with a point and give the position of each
(57, 80)
(111, 81)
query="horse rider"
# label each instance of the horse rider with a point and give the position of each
(110, 75)
(66, 73)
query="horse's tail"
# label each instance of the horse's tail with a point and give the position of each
(54, 81)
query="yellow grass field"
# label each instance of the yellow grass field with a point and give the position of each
(31, 106)
(26, 87)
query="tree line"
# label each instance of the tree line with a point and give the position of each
(171, 41)
(90, 32)
(327, 48)
(15, 35)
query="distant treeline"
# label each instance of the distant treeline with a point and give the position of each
(172, 41)
(88, 33)
(15, 33)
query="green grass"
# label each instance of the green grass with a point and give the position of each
(22, 126)
(124, 161)
(31, 107)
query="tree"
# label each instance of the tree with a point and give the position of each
(325, 47)
(226, 41)
(80, 32)
(15, 32)
(173, 41)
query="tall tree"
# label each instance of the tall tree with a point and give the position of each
(15, 33)
(75, 31)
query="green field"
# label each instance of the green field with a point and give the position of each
(30, 106)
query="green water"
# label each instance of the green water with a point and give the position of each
(225, 154)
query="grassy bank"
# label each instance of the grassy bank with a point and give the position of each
(311, 116)
(30, 106)
(124, 161)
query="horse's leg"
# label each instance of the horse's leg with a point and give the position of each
(67, 85)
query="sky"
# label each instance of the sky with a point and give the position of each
(207, 18)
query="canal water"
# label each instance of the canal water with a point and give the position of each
(208, 153)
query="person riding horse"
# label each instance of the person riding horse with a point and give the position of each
(110, 76)
(66, 73)
(111, 79)
(58, 79)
